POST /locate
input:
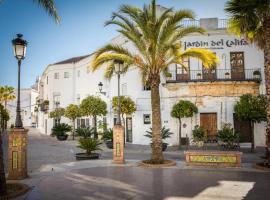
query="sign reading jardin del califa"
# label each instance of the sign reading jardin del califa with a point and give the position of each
(215, 44)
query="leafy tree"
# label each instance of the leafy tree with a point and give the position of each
(72, 112)
(181, 110)
(157, 40)
(127, 106)
(251, 19)
(57, 114)
(93, 106)
(251, 108)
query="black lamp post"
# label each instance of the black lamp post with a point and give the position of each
(118, 67)
(19, 48)
(100, 85)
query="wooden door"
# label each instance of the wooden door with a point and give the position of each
(243, 128)
(129, 129)
(208, 122)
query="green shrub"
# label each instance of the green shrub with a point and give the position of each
(60, 129)
(227, 135)
(198, 134)
(90, 145)
(85, 132)
(165, 133)
(107, 135)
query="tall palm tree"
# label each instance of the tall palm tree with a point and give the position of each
(157, 40)
(50, 8)
(251, 19)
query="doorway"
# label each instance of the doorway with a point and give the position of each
(208, 122)
(129, 129)
(243, 128)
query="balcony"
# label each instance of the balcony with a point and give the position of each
(211, 75)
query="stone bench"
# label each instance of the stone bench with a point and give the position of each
(213, 158)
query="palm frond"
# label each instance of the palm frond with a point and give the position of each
(50, 8)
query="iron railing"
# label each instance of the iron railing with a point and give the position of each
(222, 23)
(214, 75)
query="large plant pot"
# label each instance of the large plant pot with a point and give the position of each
(62, 137)
(109, 144)
(84, 156)
(164, 146)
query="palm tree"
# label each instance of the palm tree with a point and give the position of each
(157, 40)
(251, 19)
(6, 94)
(50, 8)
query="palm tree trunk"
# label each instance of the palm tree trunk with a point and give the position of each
(267, 81)
(95, 127)
(73, 130)
(252, 138)
(157, 154)
(3, 186)
(180, 135)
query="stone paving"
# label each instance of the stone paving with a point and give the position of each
(55, 174)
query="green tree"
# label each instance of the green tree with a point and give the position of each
(181, 110)
(6, 94)
(57, 114)
(251, 19)
(72, 112)
(127, 107)
(93, 106)
(157, 40)
(251, 108)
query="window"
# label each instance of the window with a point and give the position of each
(78, 123)
(78, 73)
(66, 75)
(83, 123)
(87, 122)
(56, 100)
(47, 80)
(146, 119)
(56, 75)
(146, 88)
(237, 65)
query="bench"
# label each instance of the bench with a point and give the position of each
(213, 158)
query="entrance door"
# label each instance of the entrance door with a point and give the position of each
(129, 129)
(208, 122)
(243, 128)
(46, 126)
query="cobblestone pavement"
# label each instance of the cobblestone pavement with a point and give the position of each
(55, 174)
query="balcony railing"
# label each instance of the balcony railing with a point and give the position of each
(222, 23)
(212, 75)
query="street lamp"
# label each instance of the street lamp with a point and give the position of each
(100, 85)
(19, 48)
(118, 68)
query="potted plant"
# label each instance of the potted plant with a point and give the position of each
(198, 135)
(107, 137)
(227, 138)
(227, 75)
(85, 132)
(165, 133)
(199, 76)
(90, 145)
(60, 131)
(257, 74)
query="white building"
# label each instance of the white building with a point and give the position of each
(215, 92)
(28, 103)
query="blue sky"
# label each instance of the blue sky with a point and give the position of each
(81, 31)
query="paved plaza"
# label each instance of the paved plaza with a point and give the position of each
(55, 174)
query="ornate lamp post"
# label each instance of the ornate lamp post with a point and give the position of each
(19, 47)
(118, 130)
(100, 85)
(17, 145)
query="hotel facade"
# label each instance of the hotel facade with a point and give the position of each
(214, 91)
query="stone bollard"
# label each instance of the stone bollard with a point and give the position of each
(118, 144)
(17, 154)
